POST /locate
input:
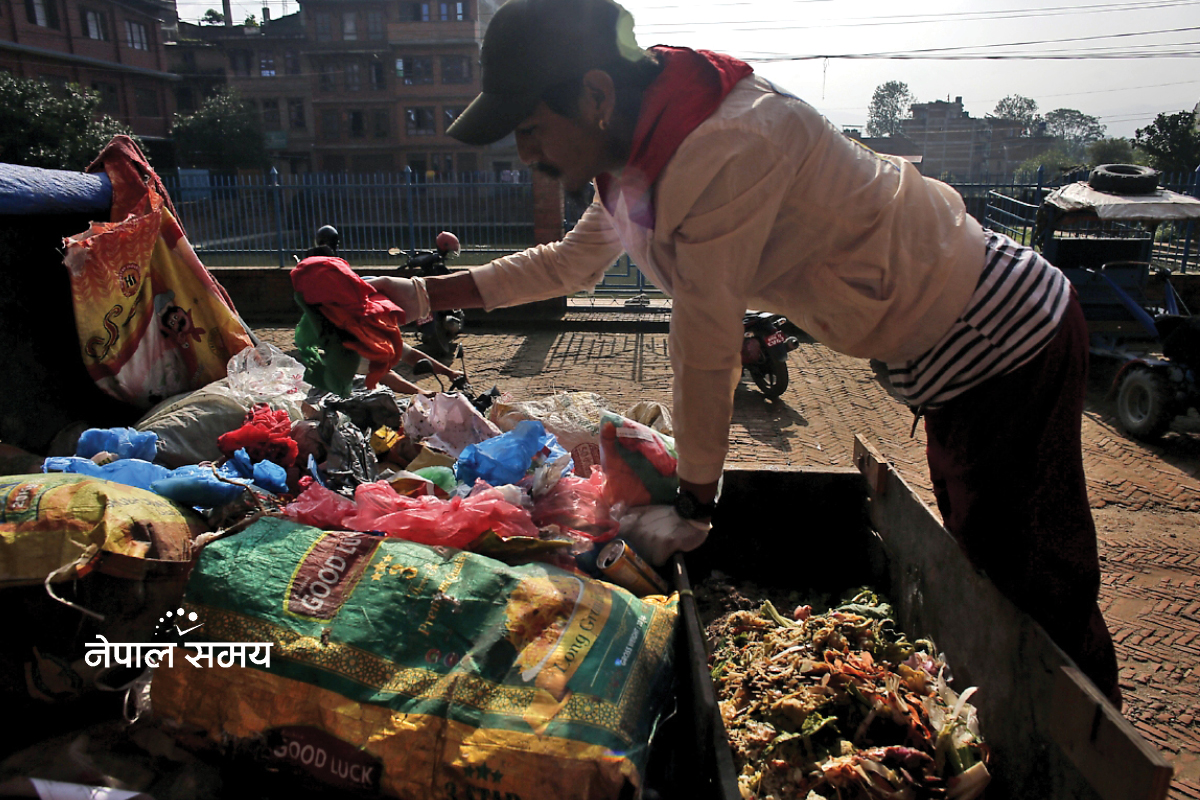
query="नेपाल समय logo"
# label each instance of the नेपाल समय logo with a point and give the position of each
(175, 625)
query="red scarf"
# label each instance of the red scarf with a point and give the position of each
(690, 88)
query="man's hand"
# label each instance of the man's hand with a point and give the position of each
(408, 293)
(655, 532)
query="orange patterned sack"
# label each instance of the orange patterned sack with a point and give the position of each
(152, 321)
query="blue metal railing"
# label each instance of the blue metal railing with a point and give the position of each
(264, 219)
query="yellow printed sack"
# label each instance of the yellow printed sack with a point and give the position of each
(410, 671)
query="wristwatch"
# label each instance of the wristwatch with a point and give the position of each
(690, 508)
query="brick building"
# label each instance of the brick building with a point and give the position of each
(351, 85)
(114, 47)
(953, 144)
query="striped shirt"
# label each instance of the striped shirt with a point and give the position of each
(1013, 314)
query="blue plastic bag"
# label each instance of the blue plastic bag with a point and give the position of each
(124, 443)
(508, 457)
(196, 485)
(129, 471)
(265, 474)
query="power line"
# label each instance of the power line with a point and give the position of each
(923, 19)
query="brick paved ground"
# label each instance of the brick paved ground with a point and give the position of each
(1146, 499)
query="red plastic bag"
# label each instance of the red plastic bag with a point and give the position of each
(577, 505)
(456, 522)
(266, 434)
(321, 508)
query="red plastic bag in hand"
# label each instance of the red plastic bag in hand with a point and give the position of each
(266, 435)
(456, 522)
(577, 505)
(321, 508)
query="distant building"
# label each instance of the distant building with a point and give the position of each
(114, 47)
(888, 145)
(351, 85)
(955, 145)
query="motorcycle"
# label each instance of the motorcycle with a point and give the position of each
(438, 332)
(765, 349)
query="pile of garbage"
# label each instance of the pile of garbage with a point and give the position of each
(838, 704)
(378, 593)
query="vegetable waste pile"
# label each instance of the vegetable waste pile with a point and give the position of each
(836, 703)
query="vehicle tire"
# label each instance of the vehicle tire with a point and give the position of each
(1144, 404)
(771, 378)
(1123, 179)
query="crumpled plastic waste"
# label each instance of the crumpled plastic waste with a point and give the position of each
(121, 442)
(198, 485)
(576, 505)
(638, 461)
(456, 522)
(446, 422)
(368, 317)
(266, 436)
(349, 460)
(321, 508)
(266, 374)
(135, 472)
(369, 409)
(506, 458)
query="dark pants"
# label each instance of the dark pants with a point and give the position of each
(1007, 466)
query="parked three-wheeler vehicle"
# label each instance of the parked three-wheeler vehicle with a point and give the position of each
(1101, 233)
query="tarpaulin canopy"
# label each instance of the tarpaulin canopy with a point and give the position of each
(1160, 205)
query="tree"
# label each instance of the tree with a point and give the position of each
(1172, 142)
(250, 22)
(43, 125)
(1021, 109)
(1074, 127)
(1111, 151)
(1060, 160)
(212, 17)
(223, 134)
(889, 106)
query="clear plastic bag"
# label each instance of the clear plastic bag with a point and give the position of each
(266, 374)
(577, 505)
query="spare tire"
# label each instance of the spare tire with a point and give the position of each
(1123, 179)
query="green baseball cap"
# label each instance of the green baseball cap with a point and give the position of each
(533, 45)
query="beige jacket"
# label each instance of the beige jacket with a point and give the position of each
(766, 206)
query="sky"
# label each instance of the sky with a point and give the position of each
(1121, 61)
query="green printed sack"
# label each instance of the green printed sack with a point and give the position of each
(419, 672)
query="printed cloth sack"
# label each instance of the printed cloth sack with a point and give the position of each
(152, 321)
(411, 671)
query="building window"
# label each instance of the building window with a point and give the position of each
(358, 124)
(378, 76)
(270, 116)
(266, 65)
(414, 71)
(185, 100)
(296, 119)
(239, 62)
(452, 12)
(291, 62)
(353, 77)
(375, 29)
(450, 113)
(419, 121)
(324, 23)
(326, 79)
(329, 124)
(43, 13)
(147, 102)
(456, 69)
(110, 100)
(415, 12)
(381, 123)
(136, 35)
(349, 27)
(94, 26)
